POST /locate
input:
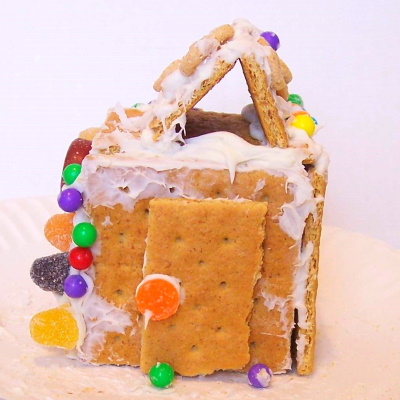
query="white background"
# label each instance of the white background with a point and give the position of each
(65, 62)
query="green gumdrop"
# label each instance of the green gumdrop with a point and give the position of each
(71, 172)
(296, 99)
(161, 375)
(84, 234)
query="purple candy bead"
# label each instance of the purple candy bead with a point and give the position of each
(70, 200)
(75, 286)
(272, 39)
(259, 376)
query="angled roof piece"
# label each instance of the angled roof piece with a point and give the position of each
(185, 82)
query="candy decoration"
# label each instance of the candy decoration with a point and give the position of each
(77, 151)
(304, 122)
(70, 200)
(272, 38)
(80, 258)
(56, 327)
(49, 273)
(161, 375)
(84, 234)
(71, 172)
(315, 121)
(296, 99)
(136, 105)
(300, 113)
(58, 230)
(259, 376)
(75, 286)
(157, 297)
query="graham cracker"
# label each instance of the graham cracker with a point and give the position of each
(264, 102)
(312, 233)
(278, 267)
(214, 247)
(118, 269)
(220, 70)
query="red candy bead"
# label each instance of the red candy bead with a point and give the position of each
(80, 258)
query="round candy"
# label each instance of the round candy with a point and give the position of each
(304, 122)
(161, 375)
(259, 375)
(56, 327)
(272, 39)
(71, 172)
(296, 99)
(84, 234)
(75, 286)
(80, 258)
(157, 297)
(70, 200)
(315, 121)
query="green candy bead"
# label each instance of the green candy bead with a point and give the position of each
(161, 375)
(136, 105)
(296, 99)
(71, 172)
(84, 234)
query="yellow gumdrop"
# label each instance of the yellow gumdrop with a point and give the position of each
(305, 122)
(56, 328)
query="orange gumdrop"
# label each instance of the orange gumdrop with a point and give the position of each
(58, 230)
(157, 296)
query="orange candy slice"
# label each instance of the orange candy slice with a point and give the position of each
(157, 296)
(58, 230)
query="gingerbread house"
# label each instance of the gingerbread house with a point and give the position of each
(225, 207)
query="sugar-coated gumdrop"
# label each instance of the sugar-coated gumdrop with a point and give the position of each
(84, 234)
(77, 151)
(75, 286)
(296, 99)
(259, 376)
(70, 200)
(304, 122)
(80, 258)
(56, 327)
(161, 375)
(71, 172)
(50, 272)
(58, 230)
(158, 297)
(272, 38)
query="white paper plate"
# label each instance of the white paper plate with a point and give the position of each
(358, 350)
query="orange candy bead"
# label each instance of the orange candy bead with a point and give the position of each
(56, 327)
(158, 296)
(58, 230)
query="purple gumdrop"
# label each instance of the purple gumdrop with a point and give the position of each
(259, 375)
(75, 286)
(272, 39)
(70, 200)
